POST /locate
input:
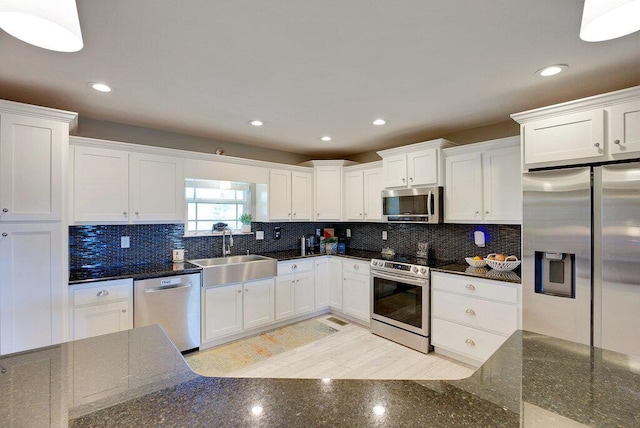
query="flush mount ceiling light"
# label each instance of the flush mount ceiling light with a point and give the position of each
(325, 138)
(609, 19)
(379, 122)
(100, 87)
(256, 122)
(551, 70)
(48, 24)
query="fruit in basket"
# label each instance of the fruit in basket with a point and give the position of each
(477, 258)
(497, 257)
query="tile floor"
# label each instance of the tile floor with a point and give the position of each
(354, 353)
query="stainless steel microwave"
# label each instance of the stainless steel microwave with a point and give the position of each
(418, 205)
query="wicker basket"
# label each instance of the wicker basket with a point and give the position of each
(475, 263)
(509, 263)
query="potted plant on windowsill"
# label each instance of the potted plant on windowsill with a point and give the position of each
(245, 219)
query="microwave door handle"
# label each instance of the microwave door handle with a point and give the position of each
(429, 204)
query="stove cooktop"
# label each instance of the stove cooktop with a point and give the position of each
(407, 264)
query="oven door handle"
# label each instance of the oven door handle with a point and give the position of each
(429, 201)
(412, 281)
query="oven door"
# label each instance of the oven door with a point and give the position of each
(401, 301)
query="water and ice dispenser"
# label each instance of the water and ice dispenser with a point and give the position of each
(555, 274)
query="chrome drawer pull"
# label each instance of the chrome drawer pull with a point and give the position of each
(470, 342)
(356, 267)
(102, 293)
(470, 312)
(470, 287)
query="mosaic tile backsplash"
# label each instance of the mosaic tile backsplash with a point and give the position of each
(99, 246)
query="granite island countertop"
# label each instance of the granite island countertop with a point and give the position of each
(531, 379)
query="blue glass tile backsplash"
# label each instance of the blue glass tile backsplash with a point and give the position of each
(99, 246)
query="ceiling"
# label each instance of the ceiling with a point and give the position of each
(311, 68)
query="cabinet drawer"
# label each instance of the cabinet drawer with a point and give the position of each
(355, 266)
(468, 341)
(476, 287)
(295, 266)
(499, 317)
(102, 292)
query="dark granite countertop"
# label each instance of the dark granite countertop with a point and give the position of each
(532, 379)
(483, 272)
(141, 271)
(295, 254)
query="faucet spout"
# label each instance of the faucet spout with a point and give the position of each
(226, 249)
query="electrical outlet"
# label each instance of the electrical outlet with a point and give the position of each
(384, 235)
(276, 232)
(124, 242)
(259, 235)
(348, 233)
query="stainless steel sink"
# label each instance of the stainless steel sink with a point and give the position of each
(227, 270)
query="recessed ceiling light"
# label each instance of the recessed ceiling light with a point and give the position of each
(379, 122)
(326, 138)
(100, 87)
(256, 123)
(551, 70)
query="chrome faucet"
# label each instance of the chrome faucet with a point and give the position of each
(226, 250)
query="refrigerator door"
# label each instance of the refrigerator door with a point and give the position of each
(617, 259)
(557, 220)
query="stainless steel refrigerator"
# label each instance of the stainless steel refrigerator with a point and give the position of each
(581, 255)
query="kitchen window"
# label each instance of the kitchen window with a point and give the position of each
(213, 201)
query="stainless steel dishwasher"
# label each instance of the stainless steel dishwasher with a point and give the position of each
(174, 303)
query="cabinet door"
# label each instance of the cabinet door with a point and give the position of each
(624, 129)
(31, 161)
(279, 194)
(301, 195)
(258, 303)
(321, 283)
(373, 194)
(502, 188)
(354, 195)
(335, 283)
(303, 292)
(32, 304)
(463, 189)
(156, 188)
(395, 170)
(43, 375)
(564, 139)
(328, 193)
(222, 311)
(422, 168)
(356, 295)
(100, 185)
(90, 321)
(284, 296)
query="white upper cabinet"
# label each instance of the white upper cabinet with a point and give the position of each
(156, 188)
(362, 192)
(414, 165)
(483, 183)
(33, 150)
(118, 186)
(328, 189)
(595, 129)
(290, 195)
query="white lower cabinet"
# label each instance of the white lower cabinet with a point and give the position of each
(356, 289)
(101, 308)
(232, 308)
(472, 317)
(335, 283)
(294, 289)
(321, 282)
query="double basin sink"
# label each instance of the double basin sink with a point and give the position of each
(227, 270)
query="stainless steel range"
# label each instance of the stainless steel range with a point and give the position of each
(400, 301)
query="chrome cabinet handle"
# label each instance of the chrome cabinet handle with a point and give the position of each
(470, 312)
(470, 287)
(410, 178)
(288, 214)
(5, 234)
(616, 142)
(597, 145)
(124, 213)
(294, 214)
(486, 212)
(356, 267)
(470, 342)
(239, 291)
(124, 311)
(403, 180)
(137, 213)
(5, 210)
(294, 267)
(318, 214)
(477, 212)
(102, 293)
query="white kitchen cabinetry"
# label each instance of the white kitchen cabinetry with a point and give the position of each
(32, 286)
(335, 283)
(483, 183)
(575, 132)
(294, 288)
(472, 317)
(356, 289)
(321, 282)
(290, 195)
(101, 308)
(117, 186)
(258, 306)
(362, 193)
(413, 165)
(328, 192)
